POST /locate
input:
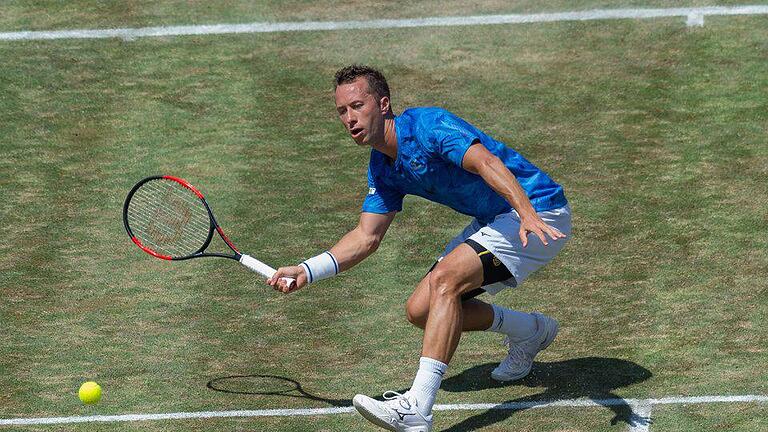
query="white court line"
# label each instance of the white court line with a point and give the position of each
(511, 406)
(694, 17)
(640, 418)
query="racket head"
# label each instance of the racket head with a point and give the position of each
(168, 218)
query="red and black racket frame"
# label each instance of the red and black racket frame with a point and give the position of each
(214, 226)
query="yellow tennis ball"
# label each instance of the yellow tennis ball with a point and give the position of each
(90, 392)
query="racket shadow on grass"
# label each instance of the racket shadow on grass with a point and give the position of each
(271, 385)
(593, 378)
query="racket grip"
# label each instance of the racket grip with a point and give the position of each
(261, 268)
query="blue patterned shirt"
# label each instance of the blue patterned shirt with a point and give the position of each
(431, 143)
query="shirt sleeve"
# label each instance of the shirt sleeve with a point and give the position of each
(381, 198)
(452, 137)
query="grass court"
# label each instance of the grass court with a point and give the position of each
(656, 130)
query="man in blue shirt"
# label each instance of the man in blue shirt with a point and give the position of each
(521, 219)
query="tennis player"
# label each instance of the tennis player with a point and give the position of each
(521, 220)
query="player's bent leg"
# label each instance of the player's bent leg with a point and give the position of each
(440, 297)
(459, 272)
(449, 286)
(477, 315)
(417, 306)
(526, 334)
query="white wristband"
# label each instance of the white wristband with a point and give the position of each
(320, 267)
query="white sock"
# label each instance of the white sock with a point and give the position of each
(427, 382)
(517, 325)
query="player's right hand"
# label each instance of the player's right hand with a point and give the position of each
(535, 225)
(277, 280)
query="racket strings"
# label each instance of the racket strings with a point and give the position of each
(166, 210)
(170, 227)
(173, 216)
(168, 218)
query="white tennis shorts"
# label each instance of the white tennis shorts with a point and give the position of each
(502, 238)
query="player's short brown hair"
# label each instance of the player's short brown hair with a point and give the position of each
(376, 81)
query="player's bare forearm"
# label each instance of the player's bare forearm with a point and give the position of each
(480, 161)
(501, 180)
(354, 247)
(362, 241)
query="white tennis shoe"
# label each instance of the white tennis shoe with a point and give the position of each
(398, 412)
(519, 361)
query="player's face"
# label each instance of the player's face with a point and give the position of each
(361, 112)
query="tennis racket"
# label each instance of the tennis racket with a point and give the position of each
(169, 219)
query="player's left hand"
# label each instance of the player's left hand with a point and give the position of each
(534, 224)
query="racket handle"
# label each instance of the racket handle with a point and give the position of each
(261, 268)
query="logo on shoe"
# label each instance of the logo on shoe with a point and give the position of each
(402, 415)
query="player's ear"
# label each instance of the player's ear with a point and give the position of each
(384, 105)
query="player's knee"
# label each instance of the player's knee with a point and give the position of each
(417, 314)
(443, 283)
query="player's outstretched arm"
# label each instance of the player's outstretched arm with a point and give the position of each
(480, 161)
(362, 241)
(354, 247)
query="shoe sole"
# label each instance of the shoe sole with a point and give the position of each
(544, 344)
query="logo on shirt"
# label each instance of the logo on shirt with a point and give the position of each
(416, 165)
(371, 191)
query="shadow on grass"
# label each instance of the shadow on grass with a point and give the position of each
(594, 378)
(271, 385)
